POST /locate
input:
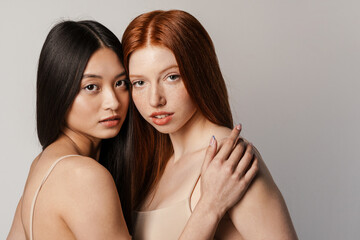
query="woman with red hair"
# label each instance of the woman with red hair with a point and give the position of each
(181, 100)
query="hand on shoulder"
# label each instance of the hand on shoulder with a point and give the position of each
(227, 173)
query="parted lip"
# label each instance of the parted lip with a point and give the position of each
(115, 117)
(160, 113)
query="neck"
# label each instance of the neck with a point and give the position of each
(81, 144)
(193, 136)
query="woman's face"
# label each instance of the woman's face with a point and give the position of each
(158, 90)
(100, 108)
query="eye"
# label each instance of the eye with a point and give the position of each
(121, 83)
(173, 77)
(91, 87)
(138, 83)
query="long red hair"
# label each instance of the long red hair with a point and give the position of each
(199, 68)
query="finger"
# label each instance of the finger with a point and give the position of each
(236, 154)
(240, 140)
(251, 173)
(245, 181)
(210, 154)
(245, 160)
(226, 149)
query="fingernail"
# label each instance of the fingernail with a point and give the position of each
(212, 141)
(239, 126)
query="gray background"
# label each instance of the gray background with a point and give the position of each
(292, 72)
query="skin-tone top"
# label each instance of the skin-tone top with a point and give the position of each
(38, 190)
(164, 223)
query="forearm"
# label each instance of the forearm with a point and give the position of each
(202, 224)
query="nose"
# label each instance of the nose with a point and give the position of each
(110, 100)
(157, 97)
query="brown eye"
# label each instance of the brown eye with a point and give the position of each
(91, 87)
(123, 84)
(120, 83)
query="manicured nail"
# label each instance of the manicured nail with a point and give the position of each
(212, 141)
(239, 126)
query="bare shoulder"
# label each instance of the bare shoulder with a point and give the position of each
(74, 181)
(34, 163)
(91, 198)
(80, 173)
(82, 166)
(221, 132)
(262, 212)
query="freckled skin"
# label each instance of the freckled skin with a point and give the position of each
(157, 86)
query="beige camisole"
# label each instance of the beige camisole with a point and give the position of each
(38, 190)
(165, 223)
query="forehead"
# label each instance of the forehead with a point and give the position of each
(151, 58)
(104, 60)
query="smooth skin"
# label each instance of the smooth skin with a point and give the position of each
(79, 200)
(158, 87)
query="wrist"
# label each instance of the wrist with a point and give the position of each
(211, 209)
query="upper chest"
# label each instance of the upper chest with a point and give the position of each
(177, 182)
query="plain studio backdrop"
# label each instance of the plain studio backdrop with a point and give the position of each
(292, 71)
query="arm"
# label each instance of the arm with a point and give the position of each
(17, 230)
(91, 207)
(224, 181)
(262, 213)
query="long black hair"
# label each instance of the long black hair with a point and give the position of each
(64, 56)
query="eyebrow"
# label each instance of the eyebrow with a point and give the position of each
(98, 76)
(162, 71)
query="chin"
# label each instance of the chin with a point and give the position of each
(109, 134)
(165, 129)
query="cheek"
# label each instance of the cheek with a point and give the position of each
(80, 110)
(181, 97)
(124, 99)
(140, 101)
(187, 104)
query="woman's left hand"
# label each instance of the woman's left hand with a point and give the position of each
(226, 174)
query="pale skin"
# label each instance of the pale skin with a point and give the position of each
(158, 88)
(79, 200)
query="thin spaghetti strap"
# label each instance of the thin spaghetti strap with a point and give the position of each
(38, 190)
(192, 190)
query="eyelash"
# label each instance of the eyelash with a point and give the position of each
(95, 87)
(140, 83)
(177, 76)
(125, 83)
(135, 83)
(91, 85)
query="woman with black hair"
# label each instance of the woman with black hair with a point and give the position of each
(85, 130)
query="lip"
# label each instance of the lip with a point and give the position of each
(161, 121)
(110, 121)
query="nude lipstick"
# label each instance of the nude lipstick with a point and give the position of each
(111, 121)
(161, 118)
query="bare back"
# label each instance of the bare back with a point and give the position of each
(43, 193)
(70, 197)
